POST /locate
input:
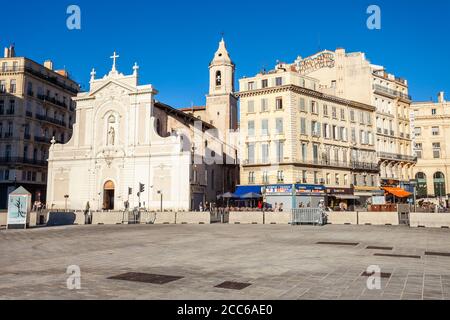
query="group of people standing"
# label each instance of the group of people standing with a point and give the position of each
(205, 208)
(278, 207)
(38, 206)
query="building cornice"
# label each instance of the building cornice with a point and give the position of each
(306, 92)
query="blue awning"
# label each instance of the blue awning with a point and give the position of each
(241, 190)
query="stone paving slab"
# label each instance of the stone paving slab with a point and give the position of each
(280, 262)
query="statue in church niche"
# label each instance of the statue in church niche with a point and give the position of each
(111, 136)
(111, 132)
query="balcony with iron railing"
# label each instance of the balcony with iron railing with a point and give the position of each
(41, 139)
(51, 120)
(396, 157)
(352, 165)
(52, 100)
(40, 74)
(22, 161)
(391, 93)
(369, 166)
(401, 80)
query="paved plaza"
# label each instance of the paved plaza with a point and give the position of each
(273, 261)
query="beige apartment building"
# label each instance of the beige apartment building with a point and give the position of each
(295, 134)
(432, 147)
(35, 106)
(351, 76)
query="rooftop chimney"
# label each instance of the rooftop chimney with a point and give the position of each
(441, 97)
(12, 51)
(48, 64)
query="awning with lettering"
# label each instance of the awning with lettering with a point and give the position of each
(346, 197)
(398, 192)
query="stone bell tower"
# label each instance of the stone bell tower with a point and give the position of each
(221, 103)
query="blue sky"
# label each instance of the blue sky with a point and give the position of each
(174, 41)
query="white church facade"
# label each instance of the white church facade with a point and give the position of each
(128, 149)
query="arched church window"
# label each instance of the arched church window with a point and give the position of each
(218, 78)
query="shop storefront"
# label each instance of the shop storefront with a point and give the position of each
(368, 196)
(341, 199)
(294, 196)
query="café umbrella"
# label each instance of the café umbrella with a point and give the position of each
(227, 196)
(251, 196)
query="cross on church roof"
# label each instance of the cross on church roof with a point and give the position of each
(114, 57)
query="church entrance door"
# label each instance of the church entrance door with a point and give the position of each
(108, 196)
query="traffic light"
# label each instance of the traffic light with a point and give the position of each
(141, 188)
(130, 191)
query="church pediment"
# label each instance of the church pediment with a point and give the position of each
(112, 88)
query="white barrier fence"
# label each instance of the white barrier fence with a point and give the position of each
(378, 218)
(427, 220)
(246, 217)
(277, 218)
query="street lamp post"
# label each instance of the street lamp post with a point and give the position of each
(65, 206)
(414, 183)
(161, 195)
